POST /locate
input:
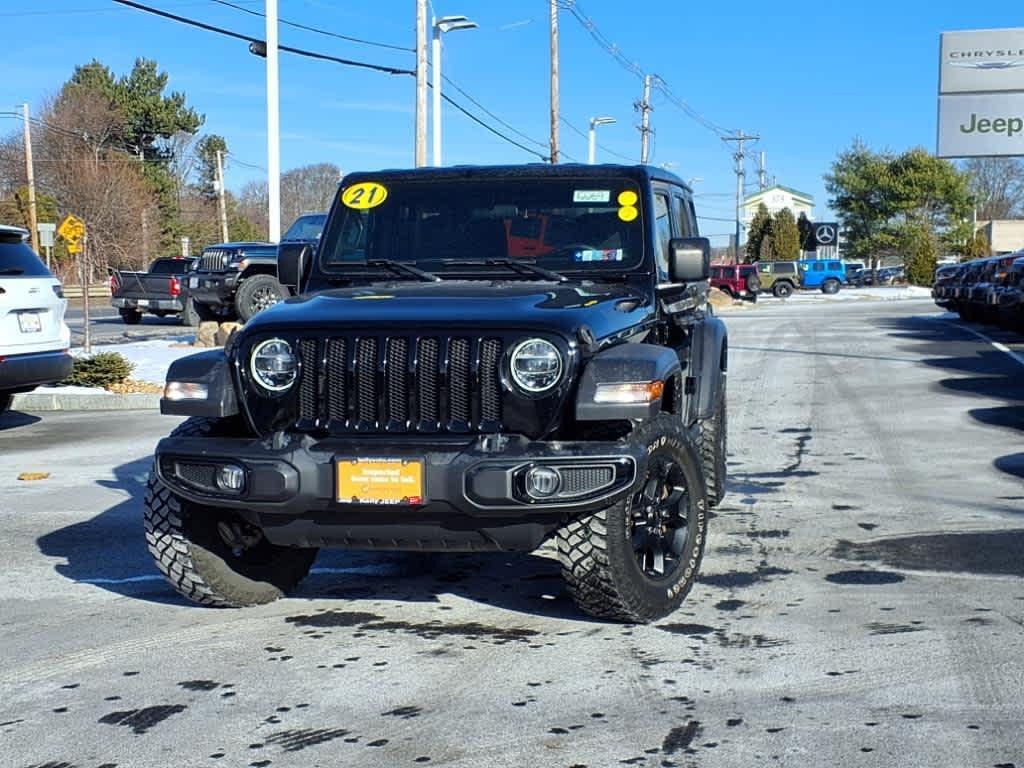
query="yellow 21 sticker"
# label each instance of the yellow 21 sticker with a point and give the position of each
(364, 195)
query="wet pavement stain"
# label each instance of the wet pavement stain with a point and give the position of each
(406, 713)
(881, 628)
(141, 720)
(198, 685)
(740, 579)
(844, 507)
(299, 739)
(995, 553)
(332, 619)
(865, 578)
(769, 534)
(687, 629)
(680, 737)
(730, 605)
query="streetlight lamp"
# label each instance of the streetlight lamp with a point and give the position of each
(694, 180)
(594, 122)
(442, 25)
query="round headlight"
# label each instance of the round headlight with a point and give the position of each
(273, 365)
(536, 365)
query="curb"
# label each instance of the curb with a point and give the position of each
(40, 401)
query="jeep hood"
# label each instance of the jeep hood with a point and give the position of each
(606, 310)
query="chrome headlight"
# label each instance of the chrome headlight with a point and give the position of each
(273, 365)
(536, 365)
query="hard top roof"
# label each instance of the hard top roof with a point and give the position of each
(639, 173)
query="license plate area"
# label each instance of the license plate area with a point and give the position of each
(379, 481)
(30, 322)
(193, 282)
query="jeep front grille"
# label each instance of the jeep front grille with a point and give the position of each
(214, 261)
(378, 383)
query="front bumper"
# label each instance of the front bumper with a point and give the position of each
(213, 287)
(163, 305)
(291, 489)
(31, 370)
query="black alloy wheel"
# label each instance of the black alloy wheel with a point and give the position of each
(659, 524)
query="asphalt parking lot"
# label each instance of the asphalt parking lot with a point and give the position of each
(861, 600)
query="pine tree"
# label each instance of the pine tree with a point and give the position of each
(760, 228)
(785, 236)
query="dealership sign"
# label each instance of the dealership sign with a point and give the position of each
(981, 125)
(981, 93)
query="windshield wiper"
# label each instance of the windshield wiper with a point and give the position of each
(521, 267)
(399, 268)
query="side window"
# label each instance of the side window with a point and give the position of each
(663, 228)
(765, 267)
(683, 226)
(835, 266)
(818, 267)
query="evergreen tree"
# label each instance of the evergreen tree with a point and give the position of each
(760, 228)
(785, 236)
(808, 242)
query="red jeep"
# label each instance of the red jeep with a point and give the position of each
(738, 280)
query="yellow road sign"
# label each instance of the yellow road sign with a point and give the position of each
(72, 229)
(74, 246)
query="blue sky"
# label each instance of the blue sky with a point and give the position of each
(807, 77)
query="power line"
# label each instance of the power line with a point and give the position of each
(323, 32)
(493, 116)
(613, 50)
(322, 57)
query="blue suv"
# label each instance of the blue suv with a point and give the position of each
(824, 274)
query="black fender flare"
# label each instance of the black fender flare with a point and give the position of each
(624, 364)
(710, 368)
(211, 369)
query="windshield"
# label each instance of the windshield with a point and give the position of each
(306, 227)
(565, 225)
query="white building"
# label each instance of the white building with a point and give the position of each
(775, 199)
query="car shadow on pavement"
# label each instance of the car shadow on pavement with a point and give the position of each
(109, 552)
(15, 419)
(981, 375)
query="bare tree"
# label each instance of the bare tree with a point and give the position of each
(253, 204)
(309, 189)
(997, 184)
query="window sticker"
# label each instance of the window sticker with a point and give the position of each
(591, 195)
(611, 254)
(364, 195)
(628, 212)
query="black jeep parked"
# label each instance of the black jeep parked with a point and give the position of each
(479, 359)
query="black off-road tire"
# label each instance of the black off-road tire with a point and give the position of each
(753, 284)
(782, 290)
(130, 316)
(256, 294)
(5, 401)
(713, 443)
(190, 553)
(189, 316)
(596, 551)
(830, 287)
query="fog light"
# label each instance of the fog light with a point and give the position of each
(231, 478)
(185, 390)
(542, 482)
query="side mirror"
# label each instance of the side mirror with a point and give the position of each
(293, 263)
(689, 259)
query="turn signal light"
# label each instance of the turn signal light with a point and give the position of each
(185, 390)
(624, 394)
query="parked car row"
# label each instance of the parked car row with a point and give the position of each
(779, 278)
(984, 290)
(864, 277)
(227, 281)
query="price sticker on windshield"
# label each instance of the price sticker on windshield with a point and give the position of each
(364, 195)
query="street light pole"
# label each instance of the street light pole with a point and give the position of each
(30, 174)
(440, 26)
(592, 148)
(421, 83)
(273, 126)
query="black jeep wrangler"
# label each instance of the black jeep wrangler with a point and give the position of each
(479, 359)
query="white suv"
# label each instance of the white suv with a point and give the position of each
(34, 339)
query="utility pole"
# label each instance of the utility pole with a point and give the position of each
(762, 173)
(83, 261)
(554, 82)
(421, 83)
(273, 126)
(740, 138)
(30, 174)
(221, 204)
(644, 108)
